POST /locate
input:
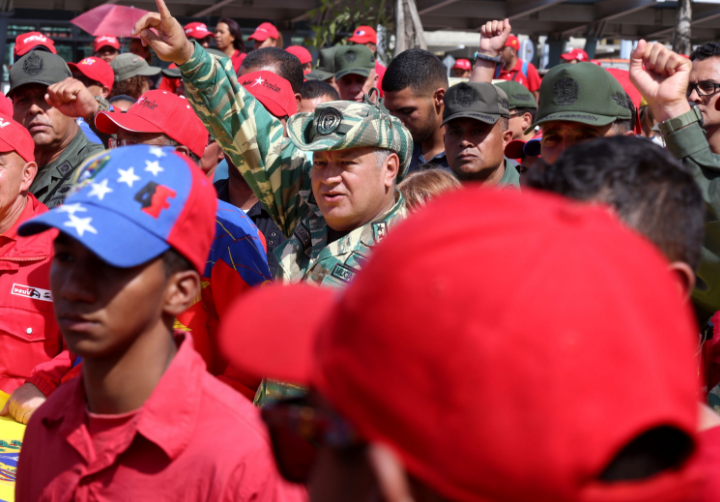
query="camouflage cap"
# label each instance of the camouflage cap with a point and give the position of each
(340, 125)
(517, 94)
(353, 60)
(475, 100)
(584, 93)
(326, 65)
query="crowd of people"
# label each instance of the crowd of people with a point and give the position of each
(258, 276)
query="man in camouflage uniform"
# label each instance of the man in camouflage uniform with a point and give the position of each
(334, 210)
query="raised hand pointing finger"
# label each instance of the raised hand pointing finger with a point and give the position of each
(165, 35)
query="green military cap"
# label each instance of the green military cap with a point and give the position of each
(353, 60)
(475, 100)
(584, 93)
(517, 94)
(38, 67)
(340, 125)
(130, 65)
(326, 65)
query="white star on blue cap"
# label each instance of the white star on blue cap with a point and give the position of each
(81, 225)
(71, 208)
(157, 152)
(153, 167)
(128, 176)
(100, 190)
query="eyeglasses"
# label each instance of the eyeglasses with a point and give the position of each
(298, 429)
(704, 88)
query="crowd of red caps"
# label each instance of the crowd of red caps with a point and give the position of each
(396, 386)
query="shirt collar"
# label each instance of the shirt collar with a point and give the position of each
(167, 418)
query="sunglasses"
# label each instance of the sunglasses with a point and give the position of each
(298, 429)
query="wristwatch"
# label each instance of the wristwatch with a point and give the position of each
(675, 123)
(485, 57)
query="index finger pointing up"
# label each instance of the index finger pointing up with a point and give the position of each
(163, 10)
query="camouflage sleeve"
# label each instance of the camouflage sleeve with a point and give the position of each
(253, 138)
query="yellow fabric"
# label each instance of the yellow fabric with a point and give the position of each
(11, 435)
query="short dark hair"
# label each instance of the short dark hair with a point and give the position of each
(312, 89)
(651, 191)
(703, 52)
(234, 30)
(288, 65)
(418, 69)
(175, 262)
(625, 125)
(523, 111)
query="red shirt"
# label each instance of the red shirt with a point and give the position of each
(380, 70)
(709, 458)
(237, 59)
(194, 439)
(29, 334)
(531, 82)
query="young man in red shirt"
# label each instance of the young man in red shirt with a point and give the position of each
(516, 70)
(145, 420)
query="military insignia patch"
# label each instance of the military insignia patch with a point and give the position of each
(349, 57)
(622, 101)
(64, 168)
(566, 91)
(33, 64)
(327, 121)
(522, 97)
(464, 95)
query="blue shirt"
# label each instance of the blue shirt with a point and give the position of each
(440, 160)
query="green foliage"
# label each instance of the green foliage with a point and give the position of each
(333, 18)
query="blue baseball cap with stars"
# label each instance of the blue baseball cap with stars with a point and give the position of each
(132, 204)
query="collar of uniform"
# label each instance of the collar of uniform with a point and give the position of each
(167, 418)
(33, 248)
(48, 171)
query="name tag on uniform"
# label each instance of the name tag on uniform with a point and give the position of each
(30, 292)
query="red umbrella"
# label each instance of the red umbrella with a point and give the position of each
(109, 19)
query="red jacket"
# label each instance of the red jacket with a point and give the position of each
(29, 334)
(194, 438)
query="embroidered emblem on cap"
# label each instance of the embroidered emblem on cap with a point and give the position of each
(349, 57)
(33, 64)
(327, 121)
(566, 91)
(522, 97)
(464, 95)
(622, 101)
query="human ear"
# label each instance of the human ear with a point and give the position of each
(527, 120)
(392, 481)
(182, 291)
(686, 277)
(439, 97)
(29, 171)
(507, 137)
(392, 169)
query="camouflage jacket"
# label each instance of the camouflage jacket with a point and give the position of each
(279, 175)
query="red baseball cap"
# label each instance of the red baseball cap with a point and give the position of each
(6, 106)
(15, 138)
(273, 91)
(25, 42)
(512, 41)
(159, 112)
(106, 41)
(96, 69)
(198, 31)
(578, 54)
(301, 53)
(263, 32)
(364, 35)
(462, 64)
(506, 381)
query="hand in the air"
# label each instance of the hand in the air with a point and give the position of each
(168, 39)
(662, 78)
(72, 98)
(493, 36)
(23, 402)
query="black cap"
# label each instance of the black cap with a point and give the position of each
(38, 67)
(475, 100)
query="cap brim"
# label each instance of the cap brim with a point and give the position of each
(118, 241)
(260, 37)
(28, 82)
(274, 108)
(110, 122)
(574, 116)
(482, 117)
(319, 75)
(514, 149)
(568, 57)
(150, 71)
(362, 40)
(261, 349)
(172, 73)
(363, 72)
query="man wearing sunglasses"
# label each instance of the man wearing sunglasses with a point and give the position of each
(704, 89)
(398, 413)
